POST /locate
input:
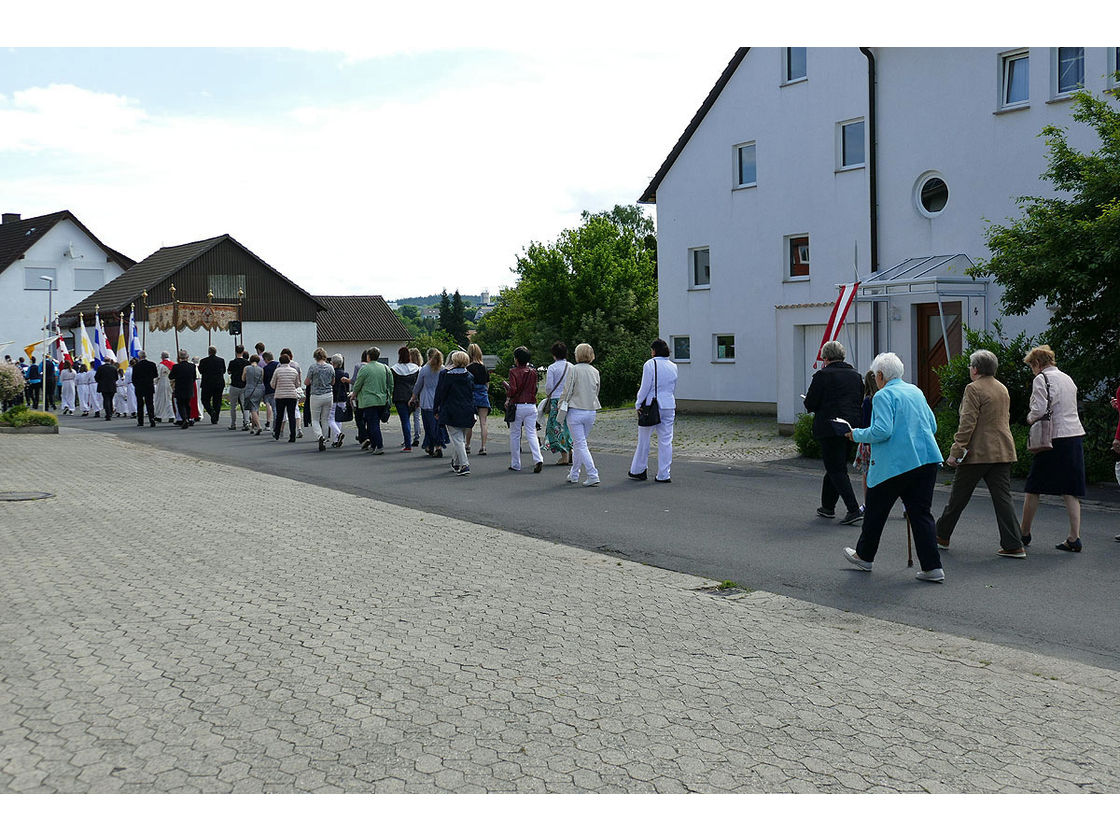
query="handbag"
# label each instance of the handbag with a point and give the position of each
(1040, 436)
(511, 414)
(649, 414)
(343, 413)
(385, 413)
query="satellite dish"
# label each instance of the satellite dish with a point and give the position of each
(69, 252)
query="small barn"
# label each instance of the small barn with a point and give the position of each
(196, 280)
(349, 324)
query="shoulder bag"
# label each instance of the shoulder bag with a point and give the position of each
(1040, 437)
(544, 405)
(649, 413)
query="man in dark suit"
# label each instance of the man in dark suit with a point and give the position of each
(212, 369)
(106, 379)
(183, 377)
(50, 383)
(835, 392)
(144, 376)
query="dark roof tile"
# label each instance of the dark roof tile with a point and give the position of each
(359, 318)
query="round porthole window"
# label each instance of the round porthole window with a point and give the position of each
(932, 194)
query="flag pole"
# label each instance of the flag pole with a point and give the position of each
(144, 338)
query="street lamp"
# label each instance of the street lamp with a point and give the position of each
(46, 335)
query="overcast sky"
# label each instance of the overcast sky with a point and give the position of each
(394, 153)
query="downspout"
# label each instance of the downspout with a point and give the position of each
(873, 186)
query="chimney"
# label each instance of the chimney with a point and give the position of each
(8, 218)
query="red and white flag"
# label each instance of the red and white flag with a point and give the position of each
(839, 313)
(63, 353)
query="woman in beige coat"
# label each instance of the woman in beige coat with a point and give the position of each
(581, 394)
(983, 449)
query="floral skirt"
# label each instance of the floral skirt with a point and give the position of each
(557, 436)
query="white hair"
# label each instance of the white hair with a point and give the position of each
(832, 351)
(889, 365)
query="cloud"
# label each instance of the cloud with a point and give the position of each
(394, 198)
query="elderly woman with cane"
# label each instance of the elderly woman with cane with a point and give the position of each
(905, 466)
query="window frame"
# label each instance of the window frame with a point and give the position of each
(793, 80)
(736, 166)
(32, 283)
(716, 360)
(80, 272)
(692, 253)
(1005, 62)
(788, 243)
(1113, 64)
(924, 179)
(840, 126)
(1055, 74)
(673, 349)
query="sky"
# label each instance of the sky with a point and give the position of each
(357, 148)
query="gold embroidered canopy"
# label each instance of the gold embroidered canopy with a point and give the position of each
(193, 316)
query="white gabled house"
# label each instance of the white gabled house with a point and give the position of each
(806, 168)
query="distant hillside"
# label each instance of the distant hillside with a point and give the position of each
(433, 300)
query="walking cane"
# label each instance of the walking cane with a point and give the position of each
(909, 544)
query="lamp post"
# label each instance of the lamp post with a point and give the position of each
(175, 320)
(144, 306)
(46, 332)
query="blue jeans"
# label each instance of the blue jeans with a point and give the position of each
(404, 412)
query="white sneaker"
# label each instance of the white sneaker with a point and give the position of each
(591, 482)
(932, 576)
(573, 480)
(855, 560)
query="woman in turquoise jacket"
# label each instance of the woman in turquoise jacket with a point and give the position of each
(904, 462)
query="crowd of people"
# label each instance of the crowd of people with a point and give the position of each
(889, 420)
(899, 457)
(443, 400)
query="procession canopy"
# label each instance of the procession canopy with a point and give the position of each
(193, 316)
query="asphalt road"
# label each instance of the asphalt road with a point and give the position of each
(753, 524)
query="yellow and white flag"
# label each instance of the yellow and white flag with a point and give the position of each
(122, 345)
(86, 345)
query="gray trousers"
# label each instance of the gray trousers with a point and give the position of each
(234, 404)
(998, 479)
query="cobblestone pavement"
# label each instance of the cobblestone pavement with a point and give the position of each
(709, 437)
(226, 630)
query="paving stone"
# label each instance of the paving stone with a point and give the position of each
(185, 667)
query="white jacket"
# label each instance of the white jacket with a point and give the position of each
(1064, 421)
(666, 383)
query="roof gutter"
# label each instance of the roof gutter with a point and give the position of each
(872, 159)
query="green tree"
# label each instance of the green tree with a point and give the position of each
(1065, 249)
(595, 283)
(458, 327)
(408, 312)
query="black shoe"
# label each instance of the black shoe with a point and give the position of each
(1069, 546)
(663, 481)
(852, 517)
(322, 444)
(826, 513)
(537, 466)
(152, 424)
(638, 476)
(141, 424)
(1026, 539)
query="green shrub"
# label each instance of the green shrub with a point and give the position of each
(1012, 372)
(1099, 420)
(19, 416)
(12, 382)
(803, 437)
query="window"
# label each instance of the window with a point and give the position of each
(1113, 66)
(1015, 81)
(1070, 66)
(700, 270)
(746, 172)
(852, 152)
(682, 348)
(794, 61)
(225, 286)
(725, 348)
(931, 194)
(88, 279)
(32, 279)
(797, 252)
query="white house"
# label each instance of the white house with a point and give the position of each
(806, 168)
(57, 246)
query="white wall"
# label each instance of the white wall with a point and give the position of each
(799, 191)
(352, 351)
(23, 311)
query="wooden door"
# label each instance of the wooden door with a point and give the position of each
(931, 344)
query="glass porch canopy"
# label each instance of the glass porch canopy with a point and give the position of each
(942, 275)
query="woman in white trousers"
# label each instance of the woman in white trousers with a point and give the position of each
(659, 381)
(581, 393)
(521, 394)
(68, 379)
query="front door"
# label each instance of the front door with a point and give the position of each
(931, 344)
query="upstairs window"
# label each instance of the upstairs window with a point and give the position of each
(746, 170)
(795, 64)
(724, 348)
(1015, 80)
(700, 268)
(798, 249)
(1070, 69)
(225, 286)
(852, 152)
